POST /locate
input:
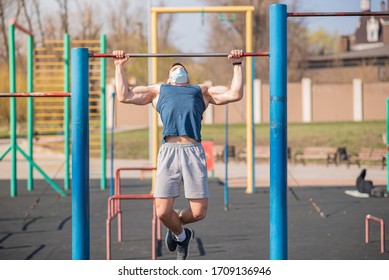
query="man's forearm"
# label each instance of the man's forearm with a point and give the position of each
(121, 83)
(236, 84)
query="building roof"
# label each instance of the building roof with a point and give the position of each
(380, 51)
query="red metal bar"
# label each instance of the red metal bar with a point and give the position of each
(104, 55)
(35, 94)
(337, 14)
(21, 28)
(114, 210)
(382, 230)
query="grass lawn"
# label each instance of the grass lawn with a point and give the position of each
(352, 135)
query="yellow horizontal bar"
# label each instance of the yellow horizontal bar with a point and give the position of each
(51, 107)
(48, 71)
(45, 114)
(49, 121)
(46, 56)
(215, 9)
(49, 63)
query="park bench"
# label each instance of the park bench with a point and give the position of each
(260, 153)
(370, 156)
(218, 152)
(327, 154)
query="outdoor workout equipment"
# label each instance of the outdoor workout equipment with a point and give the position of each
(278, 123)
(35, 94)
(382, 230)
(278, 138)
(115, 210)
(14, 147)
(45, 67)
(247, 11)
(134, 55)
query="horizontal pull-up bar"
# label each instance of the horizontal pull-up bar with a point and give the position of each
(103, 55)
(337, 14)
(35, 94)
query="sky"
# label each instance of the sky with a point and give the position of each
(190, 30)
(190, 24)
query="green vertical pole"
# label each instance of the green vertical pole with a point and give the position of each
(66, 125)
(12, 108)
(387, 144)
(103, 117)
(30, 111)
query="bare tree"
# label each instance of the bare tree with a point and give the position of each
(39, 20)
(64, 15)
(26, 14)
(4, 10)
(90, 28)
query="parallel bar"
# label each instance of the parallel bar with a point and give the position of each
(337, 14)
(103, 55)
(35, 94)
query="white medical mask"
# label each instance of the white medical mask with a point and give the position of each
(179, 76)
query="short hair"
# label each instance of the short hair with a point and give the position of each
(182, 65)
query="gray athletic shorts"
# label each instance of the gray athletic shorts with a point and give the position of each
(181, 163)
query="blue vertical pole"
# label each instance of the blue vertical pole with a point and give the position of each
(80, 154)
(226, 194)
(278, 133)
(253, 122)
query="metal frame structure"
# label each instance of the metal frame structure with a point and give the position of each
(278, 122)
(248, 10)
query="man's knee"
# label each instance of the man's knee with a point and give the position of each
(199, 214)
(164, 214)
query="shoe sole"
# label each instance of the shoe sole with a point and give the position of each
(190, 240)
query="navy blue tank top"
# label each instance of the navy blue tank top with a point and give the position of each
(181, 109)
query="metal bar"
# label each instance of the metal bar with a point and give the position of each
(19, 27)
(214, 9)
(278, 133)
(226, 190)
(12, 109)
(387, 144)
(337, 14)
(137, 55)
(40, 170)
(103, 116)
(80, 155)
(35, 94)
(382, 230)
(30, 110)
(66, 117)
(249, 102)
(2, 155)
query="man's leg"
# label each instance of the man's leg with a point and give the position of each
(167, 215)
(196, 211)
